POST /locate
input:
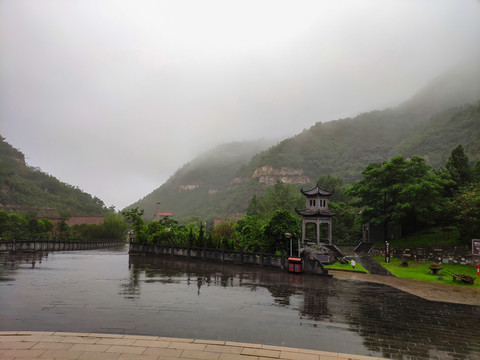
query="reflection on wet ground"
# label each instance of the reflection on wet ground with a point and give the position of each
(101, 291)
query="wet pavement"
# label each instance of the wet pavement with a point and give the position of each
(110, 292)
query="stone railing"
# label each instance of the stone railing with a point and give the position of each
(55, 245)
(311, 266)
(239, 257)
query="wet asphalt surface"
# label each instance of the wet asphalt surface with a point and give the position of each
(107, 291)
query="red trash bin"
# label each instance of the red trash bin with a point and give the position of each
(295, 265)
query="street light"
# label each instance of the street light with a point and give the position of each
(289, 236)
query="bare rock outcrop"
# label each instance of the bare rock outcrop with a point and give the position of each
(269, 175)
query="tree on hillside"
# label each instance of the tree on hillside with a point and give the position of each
(16, 226)
(400, 192)
(279, 197)
(476, 172)
(224, 235)
(250, 233)
(466, 212)
(113, 227)
(458, 167)
(346, 224)
(282, 222)
(134, 218)
(335, 184)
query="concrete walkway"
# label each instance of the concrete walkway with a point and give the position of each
(25, 345)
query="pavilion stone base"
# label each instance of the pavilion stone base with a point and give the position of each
(313, 266)
(314, 256)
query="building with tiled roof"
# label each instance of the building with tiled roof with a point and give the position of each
(158, 214)
(316, 213)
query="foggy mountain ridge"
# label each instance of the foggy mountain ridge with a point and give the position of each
(457, 86)
(430, 124)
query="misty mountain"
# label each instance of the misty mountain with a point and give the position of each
(221, 182)
(199, 186)
(28, 189)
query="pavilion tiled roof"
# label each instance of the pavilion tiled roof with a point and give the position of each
(316, 212)
(316, 191)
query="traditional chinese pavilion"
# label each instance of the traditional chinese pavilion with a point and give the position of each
(317, 214)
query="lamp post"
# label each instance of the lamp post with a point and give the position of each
(288, 236)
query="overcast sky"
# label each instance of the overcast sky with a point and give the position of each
(114, 96)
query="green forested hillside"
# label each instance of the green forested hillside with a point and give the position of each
(438, 136)
(27, 189)
(344, 147)
(445, 113)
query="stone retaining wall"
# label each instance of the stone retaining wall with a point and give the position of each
(455, 254)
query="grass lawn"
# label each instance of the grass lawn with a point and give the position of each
(420, 271)
(339, 266)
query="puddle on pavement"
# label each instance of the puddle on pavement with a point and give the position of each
(110, 292)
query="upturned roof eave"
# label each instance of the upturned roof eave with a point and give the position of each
(315, 191)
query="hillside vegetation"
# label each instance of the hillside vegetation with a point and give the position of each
(26, 189)
(344, 147)
(442, 115)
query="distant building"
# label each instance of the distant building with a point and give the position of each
(75, 220)
(158, 214)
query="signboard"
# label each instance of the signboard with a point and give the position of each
(322, 258)
(387, 252)
(476, 247)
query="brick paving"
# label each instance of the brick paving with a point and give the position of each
(25, 345)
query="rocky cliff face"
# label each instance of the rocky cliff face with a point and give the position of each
(269, 175)
(187, 187)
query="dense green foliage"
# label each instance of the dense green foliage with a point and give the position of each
(28, 227)
(113, 227)
(400, 192)
(466, 212)
(249, 233)
(458, 167)
(281, 223)
(411, 194)
(26, 189)
(15, 226)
